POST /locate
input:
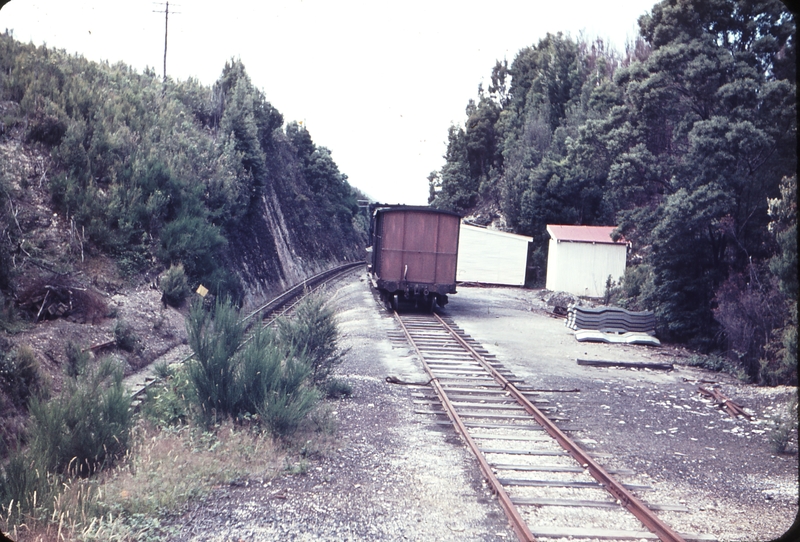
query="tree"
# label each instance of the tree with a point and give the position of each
(709, 133)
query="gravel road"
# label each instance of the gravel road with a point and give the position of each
(394, 475)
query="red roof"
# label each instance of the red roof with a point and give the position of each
(583, 234)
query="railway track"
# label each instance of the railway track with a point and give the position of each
(138, 383)
(548, 486)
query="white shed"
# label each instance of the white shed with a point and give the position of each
(581, 258)
(491, 256)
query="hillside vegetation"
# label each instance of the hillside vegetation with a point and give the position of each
(120, 195)
(165, 174)
(687, 142)
(117, 189)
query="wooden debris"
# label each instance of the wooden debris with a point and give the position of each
(628, 364)
(723, 402)
(106, 344)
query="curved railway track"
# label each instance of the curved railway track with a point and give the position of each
(138, 383)
(547, 485)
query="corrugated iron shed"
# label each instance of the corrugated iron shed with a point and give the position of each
(492, 256)
(580, 259)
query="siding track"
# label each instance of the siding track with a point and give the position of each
(547, 485)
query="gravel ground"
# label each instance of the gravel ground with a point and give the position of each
(393, 475)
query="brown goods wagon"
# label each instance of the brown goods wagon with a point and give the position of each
(414, 254)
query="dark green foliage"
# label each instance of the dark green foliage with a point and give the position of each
(313, 333)
(289, 400)
(683, 143)
(214, 338)
(168, 402)
(77, 359)
(194, 243)
(336, 388)
(272, 376)
(174, 286)
(86, 426)
(748, 309)
(48, 129)
(178, 172)
(126, 337)
(19, 375)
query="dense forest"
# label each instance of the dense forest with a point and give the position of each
(173, 174)
(686, 142)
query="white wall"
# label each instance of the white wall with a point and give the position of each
(583, 268)
(491, 257)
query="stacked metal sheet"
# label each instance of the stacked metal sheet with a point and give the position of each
(612, 324)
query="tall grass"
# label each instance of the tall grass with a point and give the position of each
(82, 430)
(162, 470)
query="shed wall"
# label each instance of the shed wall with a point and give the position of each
(582, 268)
(491, 257)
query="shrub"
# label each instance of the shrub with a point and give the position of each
(748, 311)
(193, 242)
(77, 359)
(168, 402)
(125, 337)
(779, 365)
(19, 375)
(336, 388)
(47, 129)
(174, 286)
(84, 428)
(785, 427)
(265, 376)
(283, 414)
(313, 332)
(717, 364)
(214, 337)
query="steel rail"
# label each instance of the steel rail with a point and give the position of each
(517, 523)
(292, 292)
(625, 497)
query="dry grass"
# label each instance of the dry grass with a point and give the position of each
(164, 469)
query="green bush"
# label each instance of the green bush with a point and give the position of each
(784, 427)
(77, 359)
(168, 402)
(214, 338)
(193, 242)
(19, 375)
(263, 376)
(174, 286)
(336, 388)
(85, 427)
(313, 332)
(125, 337)
(289, 402)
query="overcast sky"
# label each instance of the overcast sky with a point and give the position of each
(377, 83)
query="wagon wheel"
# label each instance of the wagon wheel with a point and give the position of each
(431, 303)
(395, 302)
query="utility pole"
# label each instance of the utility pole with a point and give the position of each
(166, 28)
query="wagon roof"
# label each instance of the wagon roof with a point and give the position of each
(583, 234)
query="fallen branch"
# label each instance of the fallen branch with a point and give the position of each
(395, 380)
(628, 364)
(723, 402)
